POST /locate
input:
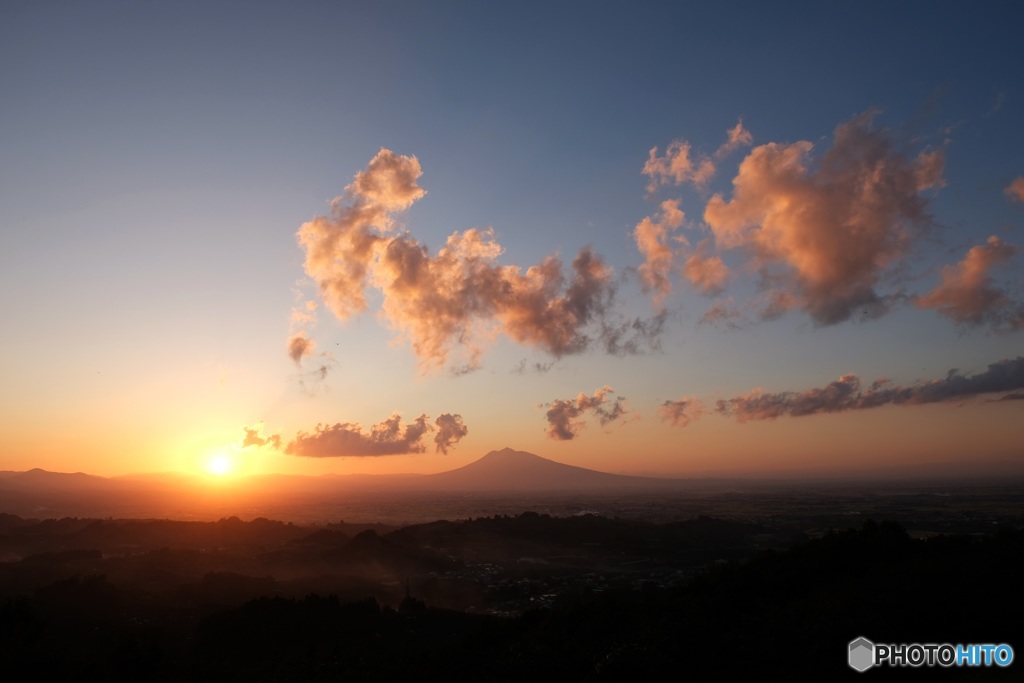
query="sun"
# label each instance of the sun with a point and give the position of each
(219, 465)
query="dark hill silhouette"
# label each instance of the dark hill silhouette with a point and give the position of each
(511, 470)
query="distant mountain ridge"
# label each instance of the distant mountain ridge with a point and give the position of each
(512, 470)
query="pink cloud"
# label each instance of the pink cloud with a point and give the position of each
(1015, 190)
(823, 236)
(652, 236)
(460, 299)
(708, 274)
(737, 137)
(967, 293)
(676, 167)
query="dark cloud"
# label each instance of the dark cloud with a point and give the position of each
(563, 414)
(450, 429)
(389, 437)
(634, 337)
(846, 393)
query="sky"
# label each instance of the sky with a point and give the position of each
(647, 238)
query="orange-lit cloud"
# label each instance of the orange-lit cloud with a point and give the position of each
(677, 167)
(460, 299)
(707, 273)
(652, 236)
(968, 295)
(682, 412)
(563, 415)
(346, 439)
(737, 137)
(846, 393)
(822, 236)
(253, 437)
(1015, 190)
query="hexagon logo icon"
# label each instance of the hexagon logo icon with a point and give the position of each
(862, 654)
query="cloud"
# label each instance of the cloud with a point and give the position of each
(1015, 190)
(254, 438)
(846, 393)
(344, 439)
(634, 337)
(738, 136)
(450, 429)
(967, 294)
(652, 237)
(676, 167)
(708, 274)
(823, 236)
(563, 415)
(725, 314)
(299, 346)
(682, 412)
(389, 437)
(458, 300)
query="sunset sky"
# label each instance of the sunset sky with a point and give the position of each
(390, 237)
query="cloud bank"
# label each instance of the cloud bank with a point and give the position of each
(459, 299)
(348, 439)
(564, 415)
(846, 393)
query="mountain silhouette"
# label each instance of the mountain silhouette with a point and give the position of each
(511, 470)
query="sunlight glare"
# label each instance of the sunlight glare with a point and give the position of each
(219, 465)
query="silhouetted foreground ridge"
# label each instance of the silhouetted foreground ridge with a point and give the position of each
(782, 615)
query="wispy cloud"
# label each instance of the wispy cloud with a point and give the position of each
(681, 412)
(564, 415)
(677, 167)
(737, 138)
(846, 393)
(300, 346)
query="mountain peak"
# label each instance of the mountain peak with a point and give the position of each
(509, 469)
